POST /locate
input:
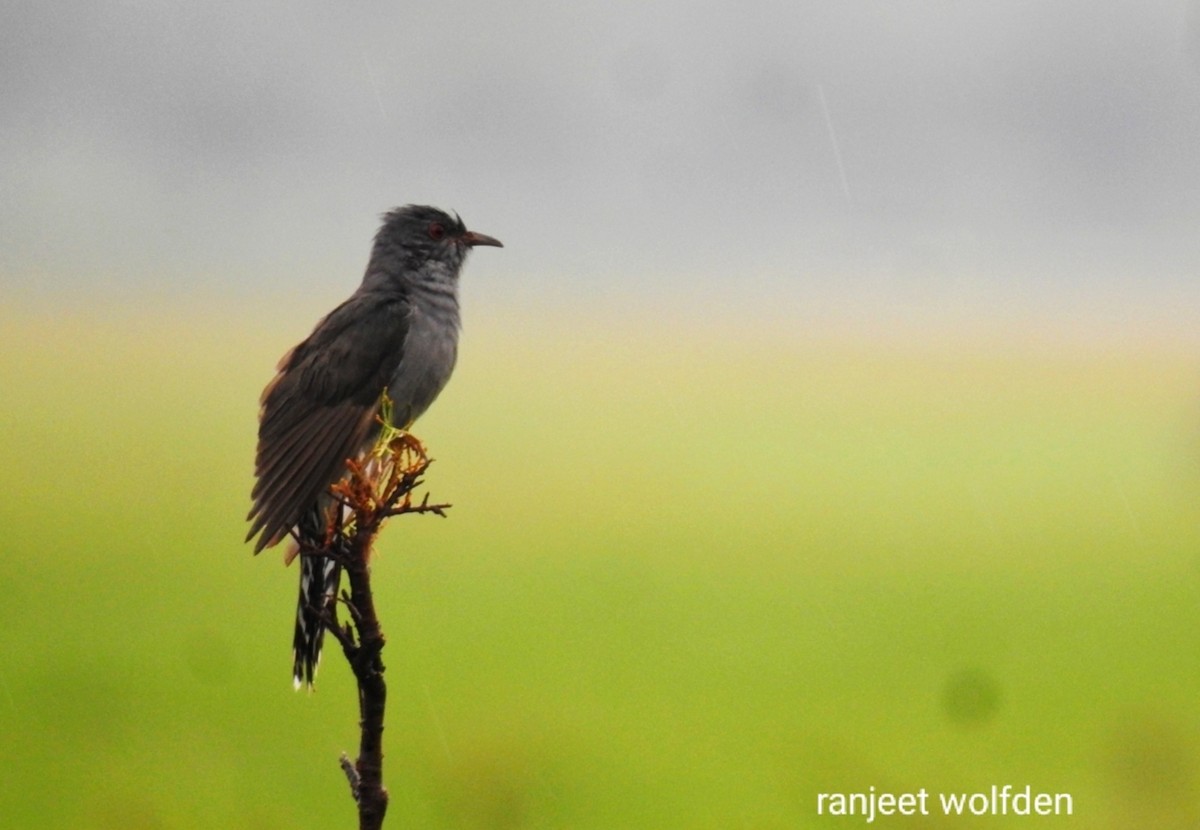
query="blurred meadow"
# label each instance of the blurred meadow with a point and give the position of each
(696, 572)
(830, 419)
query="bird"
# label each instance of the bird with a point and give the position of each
(397, 333)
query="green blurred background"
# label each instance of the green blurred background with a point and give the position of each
(695, 573)
(830, 420)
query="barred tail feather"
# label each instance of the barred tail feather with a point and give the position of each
(319, 577)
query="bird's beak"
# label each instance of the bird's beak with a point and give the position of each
(472, 239)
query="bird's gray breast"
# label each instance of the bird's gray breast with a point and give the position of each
(430, 350)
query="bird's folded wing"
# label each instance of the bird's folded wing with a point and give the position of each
(320, 409)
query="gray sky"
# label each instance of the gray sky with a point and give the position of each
(934, 154)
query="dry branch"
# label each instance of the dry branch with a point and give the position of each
(373, 491)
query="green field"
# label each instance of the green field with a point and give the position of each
(694, 575)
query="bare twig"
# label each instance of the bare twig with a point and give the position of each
(371, 493)
(351, 774)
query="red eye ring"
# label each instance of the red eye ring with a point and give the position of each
(436, 231)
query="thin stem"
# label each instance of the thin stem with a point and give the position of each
(372, 693)
(373, 493)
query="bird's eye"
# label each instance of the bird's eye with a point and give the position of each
(436, 231)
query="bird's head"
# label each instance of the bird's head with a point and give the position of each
(420, 236)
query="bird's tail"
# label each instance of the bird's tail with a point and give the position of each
(319, 578)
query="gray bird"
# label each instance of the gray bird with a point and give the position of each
(399, 332)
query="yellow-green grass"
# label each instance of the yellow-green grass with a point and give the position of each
(694, 575)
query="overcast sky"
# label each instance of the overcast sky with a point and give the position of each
(926, 152)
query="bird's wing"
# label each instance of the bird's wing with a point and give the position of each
(320, 408)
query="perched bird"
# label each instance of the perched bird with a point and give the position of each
(398, 332)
